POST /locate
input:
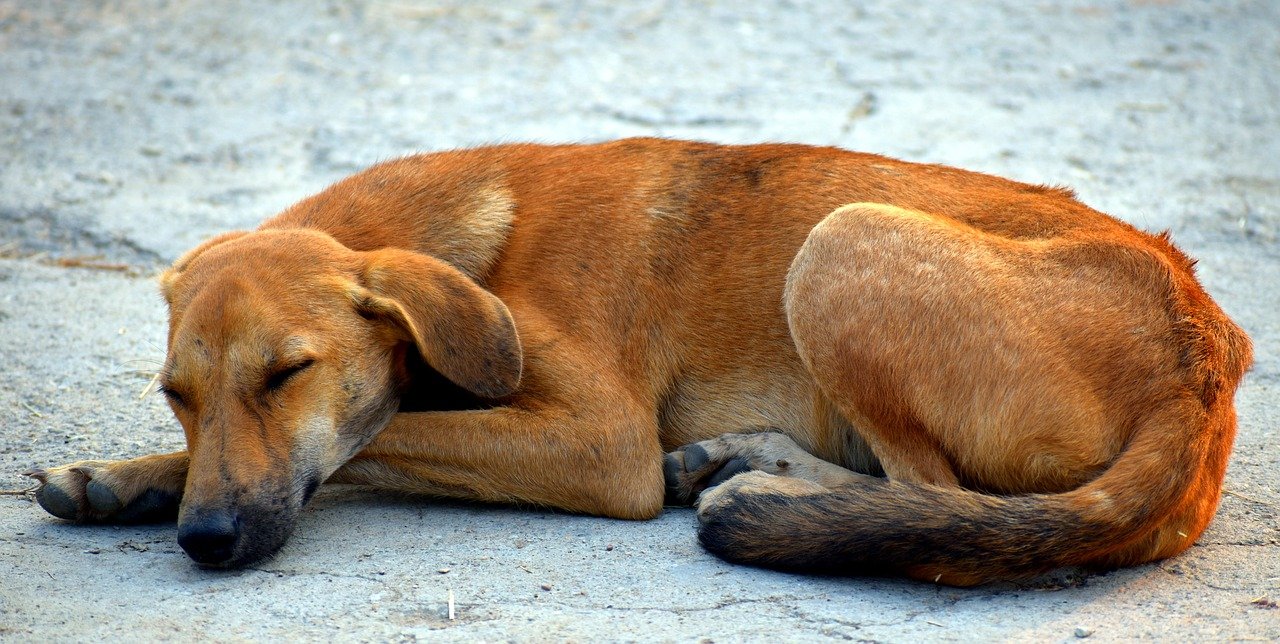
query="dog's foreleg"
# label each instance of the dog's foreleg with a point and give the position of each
(594, 464)
(137, 490)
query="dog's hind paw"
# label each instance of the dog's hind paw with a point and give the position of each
(102, 492)
(717, 499)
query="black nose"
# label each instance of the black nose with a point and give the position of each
(209, 536)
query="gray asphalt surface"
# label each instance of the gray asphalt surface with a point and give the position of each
(131, 130)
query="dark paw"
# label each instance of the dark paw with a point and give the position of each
(57, 502)
(83, 494)
(152, 506)
(690, 470)
(101, 498)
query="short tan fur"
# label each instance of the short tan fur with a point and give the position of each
(1041, 384)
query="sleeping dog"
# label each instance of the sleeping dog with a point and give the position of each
(871, 365)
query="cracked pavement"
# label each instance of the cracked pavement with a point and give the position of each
(131, 130)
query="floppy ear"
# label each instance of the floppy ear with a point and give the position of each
(463, 331)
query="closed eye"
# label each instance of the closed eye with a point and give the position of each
(280, 378)
(173, 396)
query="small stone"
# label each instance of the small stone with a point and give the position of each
(93, 551)
(546, 586)
(443, 571)
(1082, 632)
(609, 547)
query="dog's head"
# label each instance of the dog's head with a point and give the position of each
(289, 352)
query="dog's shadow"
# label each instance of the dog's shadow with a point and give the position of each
(368, 532)
(346, 521)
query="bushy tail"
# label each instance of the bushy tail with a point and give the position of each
(946, 535)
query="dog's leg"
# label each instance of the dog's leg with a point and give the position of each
(715, 499)
(596, 464)
(697, 467)
(137, 490)
(963, 355)
(873, 299)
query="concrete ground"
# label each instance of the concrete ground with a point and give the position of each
(132, 129)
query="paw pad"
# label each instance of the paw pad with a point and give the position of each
(57, 502)
(101, 498)
(692, 469)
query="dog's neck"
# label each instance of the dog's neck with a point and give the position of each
(405, 204)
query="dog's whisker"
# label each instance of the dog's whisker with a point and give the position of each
(147, 361)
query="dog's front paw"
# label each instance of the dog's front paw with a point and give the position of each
(103, 492)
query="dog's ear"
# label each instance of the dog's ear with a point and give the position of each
(463, 331)
(170, 275)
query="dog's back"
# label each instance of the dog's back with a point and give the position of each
(672, 254)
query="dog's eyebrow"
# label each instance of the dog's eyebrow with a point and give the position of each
(294, 350)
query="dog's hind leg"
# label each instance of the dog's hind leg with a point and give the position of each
(854, 301)
(910, 323)
(849, 305)
(139, 490)
(970, 358)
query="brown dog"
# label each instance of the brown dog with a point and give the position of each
(1041, 384)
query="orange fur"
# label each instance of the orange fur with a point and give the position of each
(589, 307)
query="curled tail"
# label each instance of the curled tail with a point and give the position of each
(945, 535)
(1152, 502)
(961, 537)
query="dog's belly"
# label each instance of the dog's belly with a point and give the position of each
(698, 409)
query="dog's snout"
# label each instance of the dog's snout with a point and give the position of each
(209, 537)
